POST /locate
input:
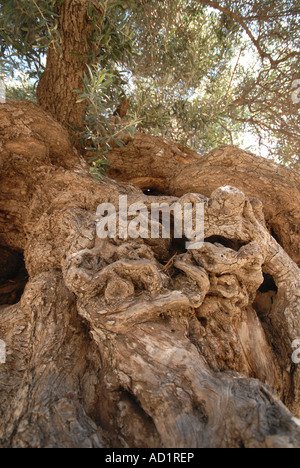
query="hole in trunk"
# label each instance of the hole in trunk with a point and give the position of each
(167, 248)
(268, 284)
(203, 321)
(228, 243)
(268, 306)
(178, 246)
(133, 416)
(266, 297)
(13, 276)
(273, 234)
(153, 192)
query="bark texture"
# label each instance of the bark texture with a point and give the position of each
(66, 64)
(168, 168)
(136, 343)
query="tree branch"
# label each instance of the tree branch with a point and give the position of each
(241, 21)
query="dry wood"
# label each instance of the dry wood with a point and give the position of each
(105, 349)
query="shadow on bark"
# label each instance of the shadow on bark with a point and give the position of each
(133, 343)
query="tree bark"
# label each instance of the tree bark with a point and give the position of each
(168, 168)
(66, 65)
(130, 343)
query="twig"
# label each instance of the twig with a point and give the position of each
(167, 266)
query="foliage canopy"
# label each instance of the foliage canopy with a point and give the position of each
(199, 72)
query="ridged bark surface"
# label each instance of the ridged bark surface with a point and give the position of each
(66, 64)
(136, 343)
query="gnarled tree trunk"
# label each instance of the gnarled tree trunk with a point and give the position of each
(135, 343)
(66, 64)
